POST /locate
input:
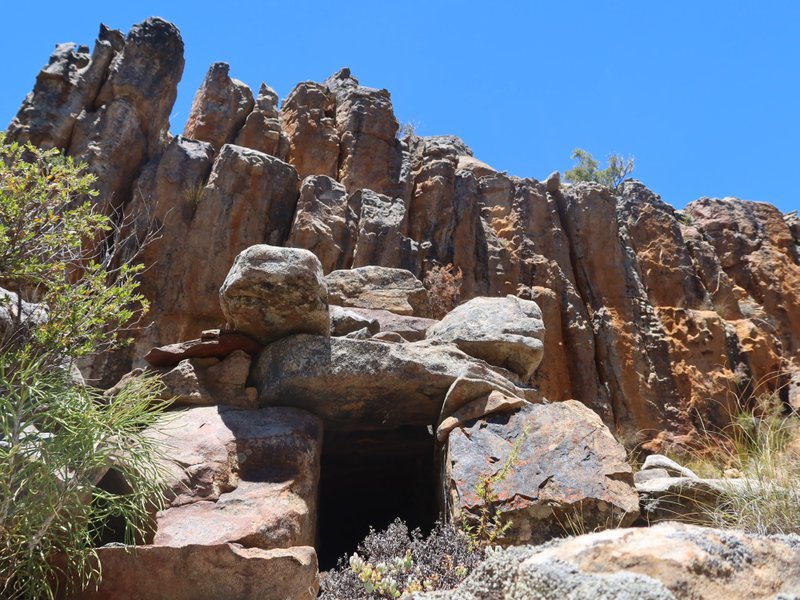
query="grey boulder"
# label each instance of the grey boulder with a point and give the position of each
(507, 332)
(271, 292)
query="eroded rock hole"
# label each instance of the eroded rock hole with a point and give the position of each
(370, 478)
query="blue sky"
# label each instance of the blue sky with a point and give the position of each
(705, 95)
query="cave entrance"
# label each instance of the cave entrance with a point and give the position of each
(369, 478)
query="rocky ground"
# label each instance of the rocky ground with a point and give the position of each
(288, 310)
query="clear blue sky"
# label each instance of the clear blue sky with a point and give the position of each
(705, 94)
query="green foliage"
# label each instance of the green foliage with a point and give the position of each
(57, 440)
(58, 437)
(588, 169)
(54, 250)
(490, 525)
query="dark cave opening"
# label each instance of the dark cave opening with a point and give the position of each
(369, 478)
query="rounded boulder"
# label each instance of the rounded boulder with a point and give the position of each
(506, 332)
(271, 292)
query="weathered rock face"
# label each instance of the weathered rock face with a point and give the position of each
(220, 108)
(666, 562)
(506, 332)
(308, 118)
(565, 469)
(369, 154)
(756, 250)
(271, 292)
(654, 315)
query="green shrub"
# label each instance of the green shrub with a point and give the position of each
(57, 440)
(588, 169)
(59, 437)
(55, 249)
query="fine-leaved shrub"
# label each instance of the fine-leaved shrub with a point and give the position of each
(58, 436)
(394, 562)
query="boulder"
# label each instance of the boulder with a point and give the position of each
(395, 290)
(271, 292)
(210, 381)
(204, 572)
(240, 476)
(554, 468)
(412, 329)
(507, 332)
(355, 384)
(670, 561)
(220, 107)
(213, 344)
(344, 321)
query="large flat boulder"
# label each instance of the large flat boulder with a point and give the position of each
(205, 572)
(553, 468)
(668, 561)
(271, 292)
(507, 332)
(368, 384)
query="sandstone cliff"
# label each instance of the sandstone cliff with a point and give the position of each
(655, 317)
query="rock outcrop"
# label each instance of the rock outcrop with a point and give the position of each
(220, 108)
(671, 561)
(657, 314)
(656, 320)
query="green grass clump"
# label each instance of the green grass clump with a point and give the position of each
(760, 447)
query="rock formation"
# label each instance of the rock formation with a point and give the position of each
(655, 318)
(667, 562)
(660, 314)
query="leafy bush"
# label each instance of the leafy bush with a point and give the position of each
(390, 563)
(54, 250)
(444, 289)
(588, 169)
(59, 437)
